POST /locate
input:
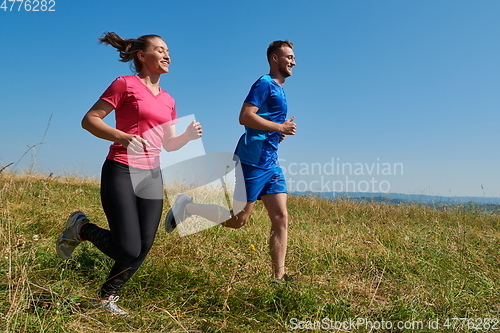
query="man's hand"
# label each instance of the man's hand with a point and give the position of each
(283, 136)
(288, 127)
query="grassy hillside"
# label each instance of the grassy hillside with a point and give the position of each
(365, 263)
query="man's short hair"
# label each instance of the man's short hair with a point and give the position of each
(276, 45)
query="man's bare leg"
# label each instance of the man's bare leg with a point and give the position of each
(237, 221)
(219, 214)
(278, 240)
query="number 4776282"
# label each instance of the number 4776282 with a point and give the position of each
(28, 5)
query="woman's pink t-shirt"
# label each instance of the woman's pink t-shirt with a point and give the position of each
(138, 111)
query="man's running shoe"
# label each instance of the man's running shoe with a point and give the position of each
(69, 238)
(177, 213)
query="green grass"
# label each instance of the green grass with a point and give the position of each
(350, 260)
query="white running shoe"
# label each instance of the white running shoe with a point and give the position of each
(69, 238)
(177, 213)
(109, 304)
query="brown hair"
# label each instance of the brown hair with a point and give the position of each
(128, 48)
(276, 45)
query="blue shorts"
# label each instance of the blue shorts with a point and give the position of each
(259, 182)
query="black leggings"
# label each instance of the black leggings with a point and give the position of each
(132, 200)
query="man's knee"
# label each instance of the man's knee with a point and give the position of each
(279, 217)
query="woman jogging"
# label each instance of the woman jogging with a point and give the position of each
(131, 182)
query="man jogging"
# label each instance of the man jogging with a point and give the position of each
(263, 114)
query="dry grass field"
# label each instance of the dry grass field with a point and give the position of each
(402, 265)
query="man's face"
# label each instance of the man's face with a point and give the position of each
(286, 61)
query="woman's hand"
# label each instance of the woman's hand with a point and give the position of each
(194, 130)
(135, 143)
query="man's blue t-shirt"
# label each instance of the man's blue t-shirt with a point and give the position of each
(256, 147)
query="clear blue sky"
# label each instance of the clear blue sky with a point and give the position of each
(409, 82)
